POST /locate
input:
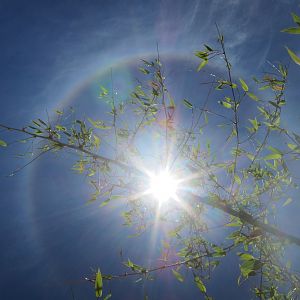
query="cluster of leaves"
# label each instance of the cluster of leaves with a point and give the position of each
(294, 30)
(248, 178)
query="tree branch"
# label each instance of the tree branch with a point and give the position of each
(222, 205)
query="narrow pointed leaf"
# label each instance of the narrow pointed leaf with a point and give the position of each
(287, 202)
(225, 104)
(98, 284)
(292, 146)
(252, 96)
(296, 19)
(178, 276)
(3, 144)
(200, 284)
(187, 104)
(293, 56)
(202, 64)
(237, 179)
(244, 85)
(274, 156)
(107, 296)
(274, 150)
(292, 30)
(208, 48)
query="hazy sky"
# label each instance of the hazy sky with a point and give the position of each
(53, 55)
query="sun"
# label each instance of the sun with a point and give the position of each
(163, 186)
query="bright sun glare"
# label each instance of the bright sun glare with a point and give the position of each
(163, 186)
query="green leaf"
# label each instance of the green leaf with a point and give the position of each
(244, 85)
(172, 102)
(255, 124)
(98, 284)
(104, 92)
(245, 256)
(104, 203)
(96, 141)
(250, 156)
(252, 96)
(98, 124)
(225, 104)
(60, 128)
(234, 224)
(296, 19)
(274, 150)
(274, 104)
(249, 267)
(108, 296)
(218, 251)
(292, 146)
(202, 54)
(147, 63)
(129, 263)
(237, 179)
(292, 30)
(3, 144)
(36, 123)
(287, 202)
(200, 284)
(178, 276)
(274, 156)
(202, 64)
(293, 55)
(264, 87)
(145, 71)
(208, 48)
(187, 104)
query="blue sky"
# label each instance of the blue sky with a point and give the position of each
(53, 55)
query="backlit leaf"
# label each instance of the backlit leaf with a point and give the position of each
(172, 102)
(200, 284)
(98, 284)
(225, 104)
(293, 55)
(104, 203)
(104, 92)
(96, 141)
(178, 276)
(287, 202)
(252, 96)
(3, 144)
(296, 19)
(145, 71)
(274, 150)
(244, 85)
(292, 30)
(292, 146)
(98, 124)
(246, 256)
(237, 179)
(202, 64)
(254, 123)
(249, 267)
(273, 156)
(108, 296)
